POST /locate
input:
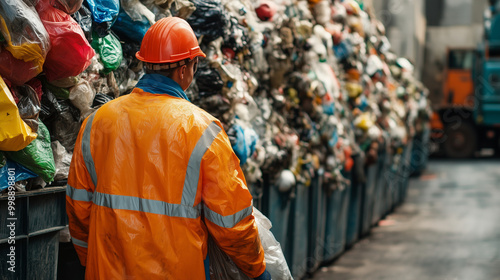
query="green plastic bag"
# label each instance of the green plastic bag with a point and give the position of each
(109, 49)
(37, 156)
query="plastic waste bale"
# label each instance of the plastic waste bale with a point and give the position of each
(37, 156)
(222, 267)
(25, 42)
(15, 133)
(71, 53)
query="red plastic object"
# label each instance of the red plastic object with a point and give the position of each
(70, 52)
(15, 70)
(169, 40)
(36, 84)
(266, 11)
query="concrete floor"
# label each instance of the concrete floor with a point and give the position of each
(448, 229)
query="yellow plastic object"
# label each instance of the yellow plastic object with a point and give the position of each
(363, 122)
(353, 89)
(15, 133)
(25, 52)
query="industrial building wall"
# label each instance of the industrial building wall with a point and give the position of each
(450, 24)
(405, 27)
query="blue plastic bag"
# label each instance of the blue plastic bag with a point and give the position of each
(20, 173)
(244, 142)
(342, 50)
(104, 10)
(126, 28)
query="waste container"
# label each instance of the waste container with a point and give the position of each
(257, 191)
(387, 183)
(317, 222)
(405, 171)
(368, 199)
(395, 179)
(336, 221)
(420, 152)
(378, 203)
(299, 222)
(277, 207)
(35, 224)
(354, 210)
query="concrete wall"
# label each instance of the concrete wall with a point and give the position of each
(451, 24)
(439, 39)
(405, 25)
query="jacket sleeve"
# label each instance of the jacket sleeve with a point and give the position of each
(228, 207)
(79, 194)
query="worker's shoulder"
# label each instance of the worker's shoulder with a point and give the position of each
(187, 108)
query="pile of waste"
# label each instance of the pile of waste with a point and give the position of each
(301, 87)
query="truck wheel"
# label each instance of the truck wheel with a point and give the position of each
(461, 142)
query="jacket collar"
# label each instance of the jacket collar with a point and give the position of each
(159, 84)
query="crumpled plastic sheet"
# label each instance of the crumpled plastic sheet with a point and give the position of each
(62, 160)
(208, 20)
(137, 11)
(29, 106)
(82, 96)
(208, 80)
(101, 99)
(126, 28)
(84, 18)
(62, 119)
(68, 6)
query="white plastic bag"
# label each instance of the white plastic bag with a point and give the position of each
(275, 260)
(223, 268)
(81, 96)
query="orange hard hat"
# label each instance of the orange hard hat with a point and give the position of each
(169, 40)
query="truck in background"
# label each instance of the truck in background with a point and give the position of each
(468, 119)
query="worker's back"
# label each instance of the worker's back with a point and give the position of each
(152, 175)
(145, 217)
(142, 145)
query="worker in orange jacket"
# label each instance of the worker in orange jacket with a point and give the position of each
(152, 176)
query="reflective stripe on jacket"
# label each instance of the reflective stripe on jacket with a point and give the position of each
(151, 176)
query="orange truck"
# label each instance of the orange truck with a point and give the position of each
(468, 118)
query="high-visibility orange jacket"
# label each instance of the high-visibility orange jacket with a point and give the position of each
(152, 176)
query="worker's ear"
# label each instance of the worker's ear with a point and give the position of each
(182, 72)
